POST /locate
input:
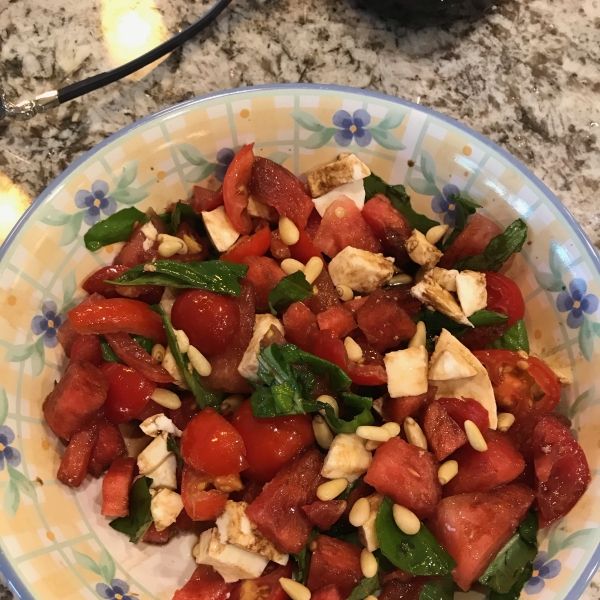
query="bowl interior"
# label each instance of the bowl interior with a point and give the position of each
(55, 544)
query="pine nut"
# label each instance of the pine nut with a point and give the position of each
(313, 269)
(360, 513)
(435, 234)
(294, 589)
(400, 279)
(523, 365)
(406, 520)
(231, 404)
(288, 232)
(371, 597)
(392, 427)
(323, 434)
(183, 342)
(340, 212)
(447, 471)
(371, 432)
(354, 351)
(291, 265)
(199, 362)
(158, 352)
(523, 354)
(192, 245)
(170, 245)
(344, 292)
(166, 398)
(315, 290)
(420, 337)
(326, 399)
(313, 546)
(475, 437)
(368, 563)
(372, 445)
(414, 433)
(505, 421)
(331, 489)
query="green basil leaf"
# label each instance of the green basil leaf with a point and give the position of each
(436, 321)
(515, 338)
(212, 275)
(173, 446)
(113, 229)
(338, 425)
(400, 201)
(146, 343)
(351, 487)
(419, 554)
(438, 590)
(464, 208)
(292, 288)
(365, 588)
(303, 560)
(528, 529)
(139, 519)
(515, 591)
(498, 250)
(487, 317)
(181, 212)
(203, 396)
(108, 354)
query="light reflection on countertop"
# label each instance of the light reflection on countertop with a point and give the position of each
(14, 201)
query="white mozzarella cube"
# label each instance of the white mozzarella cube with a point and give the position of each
(153, 455)
(434, 295)
(151, 233)
(421, 251)
(355, 190)
(471, 291)
(248, 366)
(450, 366)
(165, 507)
(154, 425)
(347, 457)
(444, 277)
(406, 371)
(344, 170)
(368, 532)
(231, 562)
(220, 230)
(362, 271)
(168, 299)
(165, 475)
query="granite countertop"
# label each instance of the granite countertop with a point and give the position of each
(527, 75)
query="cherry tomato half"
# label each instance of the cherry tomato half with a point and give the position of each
(200, 504)
(504, 296)
(235, 189)
(250, 245)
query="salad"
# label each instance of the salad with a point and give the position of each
(333, 392)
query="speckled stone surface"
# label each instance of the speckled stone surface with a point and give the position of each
(527, 75)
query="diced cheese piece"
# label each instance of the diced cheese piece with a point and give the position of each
(152, 426)
(471, 291)
(344, 170)
(448, 366)
(248, 366)
(478, 387)
(220, 230)
(151, 234)
(168, 299)
(258, 209)
(347, 457)
(434, 295)
(362, 271)
(165, 475)
(355, 190)
(231, 562)
(421, 251)
(172, 369)
(165, 507)
(153, 455)
(406, 371)
(444, 277)
(235, 528)
(367, 532)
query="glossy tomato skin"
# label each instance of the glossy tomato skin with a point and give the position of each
(504, 296)
(86, 348)
(128, 392)
(205, 584)
(95, 283)
(212, 445)
(251, 245)
(200, 503)
(265, 587)
(271, 443)
(210, 320)
(235, 189)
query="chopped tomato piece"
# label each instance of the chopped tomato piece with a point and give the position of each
(407, 474)
(504, 296)
(86, 348)
(561, 470)
(115, 487)
(74, 462)
(325, 296)
(279, 250)
(212, 445)
(118, 314)
(204, 199)
(205, 584)
(235, 189)
(324, 514)
(151, 409)
(67, 335)
(277, 513)
(304, 249)
(390, 227)
(442, 432)
(343, 225)
(152, 536)
(474, 527)
(95, 283)
(183, 415)
(337, 319)
(249, 245)
(330, 348)
(397, 409)
(109, 446)
(271, 443)
(128, 392)
(199, 503)
(274, 185)
(334, 561)
(133, 252)
(327, 592)
(483, 471)
(462, 409)
(265, 587)
(301, 326)
(76, 398)
(372, 374)
(265, 274)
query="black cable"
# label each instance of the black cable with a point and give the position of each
(75, 90)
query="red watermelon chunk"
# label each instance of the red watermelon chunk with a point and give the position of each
(325, 514)
(407, 474)
(277, 510)
(337, 319)
(483, 471)
(115, 487)
(67, 335)
(396, 589)
(75, 399)
(325, 296)
(461, 409)
(355, 304)
(109, 446)
(265, 274)
(301, 326)
(205, 584)
(390, 227)
(74, 463)
(397, 409)
(328, 592)
(152, 536)
(342, 226)
(133, 252)
(474, 527)
(442, 432)
(86, 348)
(334, 561)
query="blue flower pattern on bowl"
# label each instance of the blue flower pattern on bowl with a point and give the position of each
(95, 202)
(8, 454)
(224, 158)
(577, 302)
(542, 569)
(47, 324)
(444, 204)
(352, 127)
(117, 590)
